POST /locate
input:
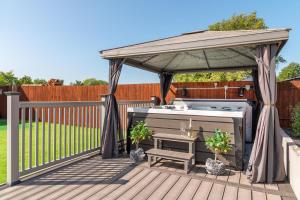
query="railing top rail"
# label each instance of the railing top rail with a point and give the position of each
(28, 104)
(122, 102)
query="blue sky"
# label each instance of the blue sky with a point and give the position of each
(61, 38)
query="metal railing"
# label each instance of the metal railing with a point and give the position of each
(44, 134)
(53, 132)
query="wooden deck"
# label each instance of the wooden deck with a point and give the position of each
(95, 178)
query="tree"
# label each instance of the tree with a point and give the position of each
(236, 22)
(290, 71)
(93, 81)
(25, 80)
(78, 83)
(8, 78)
(39, 81)
(239, 22)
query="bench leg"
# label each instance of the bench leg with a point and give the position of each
(192, 151)
(186, 166)
(149, 160)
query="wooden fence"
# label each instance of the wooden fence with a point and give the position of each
(288, 94)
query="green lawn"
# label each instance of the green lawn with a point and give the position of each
(57, 152)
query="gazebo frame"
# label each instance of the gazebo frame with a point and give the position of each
(204, 51)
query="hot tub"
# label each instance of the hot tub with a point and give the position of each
(206, 117)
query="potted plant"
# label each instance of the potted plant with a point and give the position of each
(296, 121)
(218, 143)
(138, 133)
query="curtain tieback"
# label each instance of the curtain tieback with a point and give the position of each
(271, 104)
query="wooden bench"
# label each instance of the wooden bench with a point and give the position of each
(186, 158)
(157, 152)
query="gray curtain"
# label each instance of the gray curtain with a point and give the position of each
(259, 103)
(111, 126)
(165, 83)
(266, 159)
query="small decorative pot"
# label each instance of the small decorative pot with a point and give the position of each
(214, 167)
(137, 155)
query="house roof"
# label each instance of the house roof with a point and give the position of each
(199, 50)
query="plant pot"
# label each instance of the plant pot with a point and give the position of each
(137, 155)
(214, 167)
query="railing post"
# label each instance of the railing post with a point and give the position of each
(12, 137)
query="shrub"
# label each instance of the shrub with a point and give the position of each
(139, 132)
(296, 120)
(219, 142)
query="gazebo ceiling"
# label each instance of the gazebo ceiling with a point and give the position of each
(199, 51)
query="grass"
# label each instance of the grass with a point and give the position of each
(83, 143)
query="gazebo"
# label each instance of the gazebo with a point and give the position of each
(203, 51)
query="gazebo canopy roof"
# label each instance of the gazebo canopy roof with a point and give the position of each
(199, 50)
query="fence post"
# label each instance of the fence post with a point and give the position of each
(12, 137)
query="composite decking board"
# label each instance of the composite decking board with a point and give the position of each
(273, 197)
(156, 183)
(92, 183)
(56, 187)
(177, 189)
(225, 176)
(230, 193)
(234, 176)
(244, 194)
(97, 178)
(216, 192)
(26, 185)
(258, 195)
(96, 188)
(166, 186)
(244, 180)
(203, 190)
(271, 186)
(124, 188)
(190, 190)
(26, 189)
(116, 184)
(140, 186)
(104, 178)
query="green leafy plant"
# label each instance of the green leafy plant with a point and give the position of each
(139, 132)
(219, 142)
(296, 120)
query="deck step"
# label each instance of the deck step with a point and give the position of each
(170, 154)
(174, 137)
